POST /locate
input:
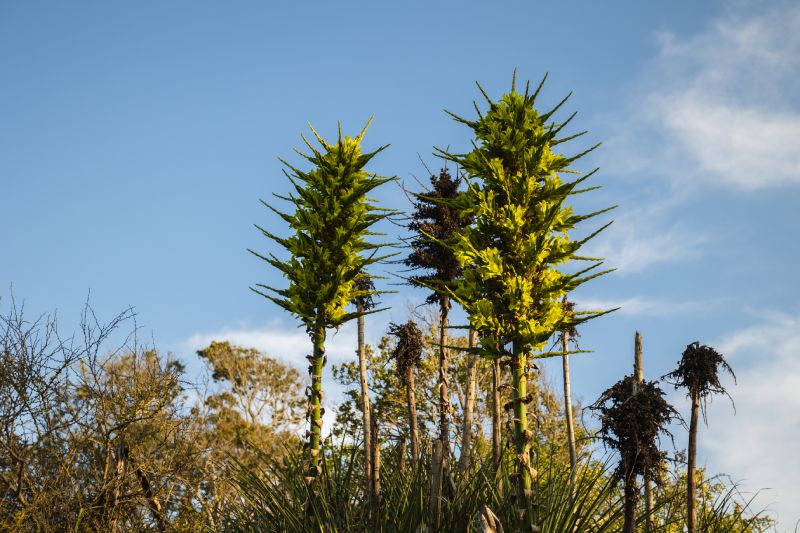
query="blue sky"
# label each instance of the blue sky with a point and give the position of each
(136, 139)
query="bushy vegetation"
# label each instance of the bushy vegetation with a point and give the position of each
(442, 427)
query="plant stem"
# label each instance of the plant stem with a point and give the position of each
(573, 460)
(691, 474)
(365, 404)
(496, 415)
(376, 468)
(315, 401)
(631, 493)
(638, 368)
(469, 404)
(444, 392)
(521, 444)
(412, 414)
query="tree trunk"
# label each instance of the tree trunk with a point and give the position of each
(365, 405)
(469, 405)
(412, 415)
(573, 456)
(521, 436)
(496, 415)
(638, 368)
(317, 360)
(691, 474)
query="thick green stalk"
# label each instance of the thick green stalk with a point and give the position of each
(496, 416)
(521, 442)
(315, 402)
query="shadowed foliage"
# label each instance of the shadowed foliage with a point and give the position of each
(434, 223)
(698, 371)
(407, 354)
(633, 415)
(408, 350)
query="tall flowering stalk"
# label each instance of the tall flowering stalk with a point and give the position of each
(514, 253)
(433, 223)
(328, 251)
(699, 373)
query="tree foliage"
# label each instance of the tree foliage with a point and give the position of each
(633, 416)
(97, 437)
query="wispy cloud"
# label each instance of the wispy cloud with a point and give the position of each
(285, 342)
(635, 245)
(719, 107)
(644, 234)
(714, 109)
(757, 442)
(641, 306)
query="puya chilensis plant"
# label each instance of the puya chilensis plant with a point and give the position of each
(433, 223)
(514, 253)
(633, 416)
(407, 355)
(699, 372)
(329, 252)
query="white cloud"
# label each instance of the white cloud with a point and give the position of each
(719, 107)
(285, 342)
(745, 147)
(641, 306)
(635, 245)
(758, 443)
